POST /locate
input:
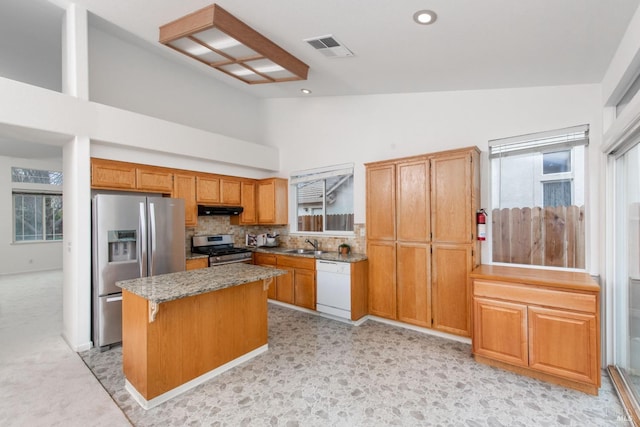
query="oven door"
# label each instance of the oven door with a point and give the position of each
(215, 263)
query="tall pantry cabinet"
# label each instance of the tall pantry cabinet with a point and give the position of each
(421, 238)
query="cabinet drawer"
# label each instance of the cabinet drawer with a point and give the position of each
(264, 259)
(536, 296)
(297, 262)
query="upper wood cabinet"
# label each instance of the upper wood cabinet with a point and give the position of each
(113, 175)
(249, 214)
(154, 179)
(451, 220)
(208, 189)
(230, 191)
(421, 238)
(413, 201)
(381, 203)
(184, 187)
(218, 190)
(273, 203)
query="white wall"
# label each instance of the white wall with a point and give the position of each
(136, 78)
(363, 129)
(23, 257)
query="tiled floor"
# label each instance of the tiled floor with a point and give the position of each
(320, 372)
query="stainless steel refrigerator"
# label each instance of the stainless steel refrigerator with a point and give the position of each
(133, 236)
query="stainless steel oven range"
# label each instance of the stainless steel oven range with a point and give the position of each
(220, 249)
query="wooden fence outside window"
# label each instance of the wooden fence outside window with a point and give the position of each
(551, 236)
(341, 222)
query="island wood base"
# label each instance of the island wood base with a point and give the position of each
(189, 338)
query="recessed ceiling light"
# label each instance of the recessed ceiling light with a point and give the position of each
(305, 91)
(425, 17)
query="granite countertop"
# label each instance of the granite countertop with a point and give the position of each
(172, 286)
(328, 256)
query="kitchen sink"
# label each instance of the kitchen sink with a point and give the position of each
(304, 251)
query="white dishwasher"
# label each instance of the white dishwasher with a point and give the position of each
(333, 280)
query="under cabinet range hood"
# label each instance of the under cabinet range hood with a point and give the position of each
(219, 210)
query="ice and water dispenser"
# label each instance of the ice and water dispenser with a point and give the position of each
(122, 245)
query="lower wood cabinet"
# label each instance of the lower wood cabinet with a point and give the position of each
(540, 323)
(299, 286)
(451, 287)
(197, 263)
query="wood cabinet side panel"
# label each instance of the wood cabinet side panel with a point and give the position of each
(135, 314)
(359, 289)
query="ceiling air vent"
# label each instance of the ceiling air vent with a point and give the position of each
(329, 46)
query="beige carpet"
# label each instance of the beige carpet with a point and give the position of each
(42, 381)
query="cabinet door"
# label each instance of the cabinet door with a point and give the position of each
(381, 202)
(412, 201)
(269, 261)
(414, 273)
(153, 179)
(284, 286)
(184, 187)
(208, 189)
(111, 174)
(248, 203)
(272, 201)
(451, 290)
(451, 204)
(382, 278)
(500, 331)
(564, 343)
(305, 288)
(230, 191)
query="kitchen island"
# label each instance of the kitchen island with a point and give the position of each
(181, 329)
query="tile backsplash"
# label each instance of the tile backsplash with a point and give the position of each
(222, 225)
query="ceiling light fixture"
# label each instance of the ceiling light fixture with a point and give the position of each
(218, 39)
(305, 91)
(425, 17)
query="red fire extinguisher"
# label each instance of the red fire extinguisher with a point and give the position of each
(481, 220)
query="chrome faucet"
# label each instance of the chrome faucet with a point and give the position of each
(314, 243)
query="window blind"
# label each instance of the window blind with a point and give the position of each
(541, 141)
(321, 173)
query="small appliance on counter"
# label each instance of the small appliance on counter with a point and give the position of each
(264, 239)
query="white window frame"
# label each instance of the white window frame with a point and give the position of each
(555, 140)
(35, 189)
(314, 175)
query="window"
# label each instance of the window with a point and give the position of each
(537, 196)
(323, 199)
(37, 205)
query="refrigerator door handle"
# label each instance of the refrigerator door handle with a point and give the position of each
(152, 232)
(142, 243)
